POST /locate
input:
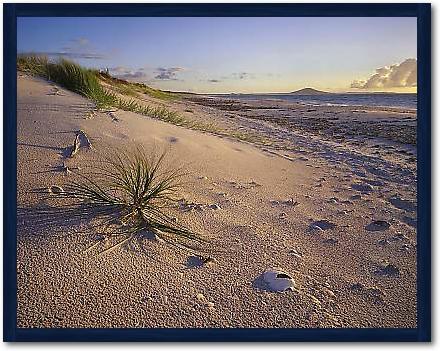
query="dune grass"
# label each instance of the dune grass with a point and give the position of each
(87, 82)
(129, 194)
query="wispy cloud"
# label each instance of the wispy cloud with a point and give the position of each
(77, 48)
(73, 55)
(231, 76)
(123, 72)
(394, 76)
(167, 73)
(242, 75)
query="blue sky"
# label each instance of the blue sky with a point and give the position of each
(236, 54)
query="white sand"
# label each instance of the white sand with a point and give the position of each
(151, 285)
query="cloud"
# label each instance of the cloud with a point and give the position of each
(78, 48)
(81, 41)
(394, 76)
(169, 73)
(128, 74)
(73, 55)
(242, 75)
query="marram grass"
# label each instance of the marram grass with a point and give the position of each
(87, 82)
(129, 196)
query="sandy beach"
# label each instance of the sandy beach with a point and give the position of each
(326, 194)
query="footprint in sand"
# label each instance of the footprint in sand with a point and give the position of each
(363, 188)
(321, 225)
(378, 226)
(402, 204)
(198, 261)
(388, 270)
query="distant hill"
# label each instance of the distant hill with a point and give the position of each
(308, 91)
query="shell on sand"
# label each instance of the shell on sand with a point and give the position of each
(278, 280)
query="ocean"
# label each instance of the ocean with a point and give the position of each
(408, 101)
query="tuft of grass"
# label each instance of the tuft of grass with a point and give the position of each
(130, 192)
(79, 80)
(33, 64)
(69, 75)
(87, 82)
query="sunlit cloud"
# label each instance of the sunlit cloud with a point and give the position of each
(169, 73)
(78, 48)
(403, 75)
(126, 73)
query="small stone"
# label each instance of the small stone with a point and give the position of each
(55, 189)
(295, 253)
(405, 247)
(328, 292)
(201, 297)
(215, 207)
(383, 242)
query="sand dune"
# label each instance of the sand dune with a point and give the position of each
(296, 202)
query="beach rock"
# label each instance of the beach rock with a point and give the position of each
(376, 226)
(277, 280)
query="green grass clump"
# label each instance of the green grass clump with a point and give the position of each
(69, 75)
(33, 64)
(79, 80)
(131, 192)
(87, 82)
(156, 93)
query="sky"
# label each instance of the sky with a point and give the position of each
(236, 55)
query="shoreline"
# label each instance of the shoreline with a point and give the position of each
(346, 275)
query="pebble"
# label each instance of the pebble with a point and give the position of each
(201, 297)
(55, 189)
(215, 207)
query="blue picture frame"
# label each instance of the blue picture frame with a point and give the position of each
(423, 13)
